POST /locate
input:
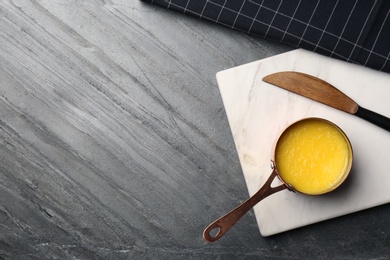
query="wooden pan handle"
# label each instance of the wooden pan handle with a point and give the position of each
(224, 223)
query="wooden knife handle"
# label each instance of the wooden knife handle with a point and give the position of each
(373, 117)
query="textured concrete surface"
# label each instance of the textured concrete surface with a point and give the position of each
(114, 142)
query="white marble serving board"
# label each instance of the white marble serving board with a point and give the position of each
(258, 112)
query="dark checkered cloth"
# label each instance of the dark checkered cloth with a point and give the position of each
(356, 31)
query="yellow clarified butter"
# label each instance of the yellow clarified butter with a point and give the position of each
(313, 156)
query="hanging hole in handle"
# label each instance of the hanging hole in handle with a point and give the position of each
(219, 227)
(212, 233)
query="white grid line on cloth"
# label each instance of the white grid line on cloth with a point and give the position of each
(239, 12)
(384, 64)
(290, 34)
(304, 40)
(292, 18)
(185, 8)
(345, 25)
(361, 31)
(327, 23)
(311, 17)
(379, 33)
(220, 12)
(254, 18)
(273, 18)
(204, 8)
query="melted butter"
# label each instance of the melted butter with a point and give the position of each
(313, 156)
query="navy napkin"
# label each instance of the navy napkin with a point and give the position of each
(356, 31)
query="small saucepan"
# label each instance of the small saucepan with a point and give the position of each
(312, 156)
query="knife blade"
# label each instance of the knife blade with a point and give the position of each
(323, 92)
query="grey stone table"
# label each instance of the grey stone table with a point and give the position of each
(114, 142)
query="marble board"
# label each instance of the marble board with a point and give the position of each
(258, 112)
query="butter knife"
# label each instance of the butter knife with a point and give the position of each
(323, 92)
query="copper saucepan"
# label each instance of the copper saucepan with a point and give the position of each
(320, 141)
